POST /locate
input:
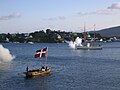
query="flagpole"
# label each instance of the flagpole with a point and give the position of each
(46, 57)
(42, 53)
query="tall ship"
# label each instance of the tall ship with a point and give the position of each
(89, 46)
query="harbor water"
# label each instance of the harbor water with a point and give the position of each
(71, 69)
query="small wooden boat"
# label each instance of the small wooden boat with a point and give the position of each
(37, 72)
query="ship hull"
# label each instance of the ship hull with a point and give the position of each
(33, 73)
(89, 48)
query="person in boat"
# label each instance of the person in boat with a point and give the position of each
(43, 69)
(46, 68)
(27, 69)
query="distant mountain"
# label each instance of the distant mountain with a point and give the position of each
(113, 31)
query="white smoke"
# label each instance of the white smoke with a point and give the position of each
(72, 44)
(77, 42)
(5, 55)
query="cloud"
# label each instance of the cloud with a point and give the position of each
(57, 18)
(113, 9)
(7, 17)
(52, 19)
(115, 6)
(107, 11)
(61, 18)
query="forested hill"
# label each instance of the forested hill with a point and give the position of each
(108, 32)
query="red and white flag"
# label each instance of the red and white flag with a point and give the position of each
(41, 53)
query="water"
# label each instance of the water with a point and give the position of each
(71, 69)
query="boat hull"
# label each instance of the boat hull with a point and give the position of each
(89, 48)
(33, 73)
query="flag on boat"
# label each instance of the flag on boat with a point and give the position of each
(41, 53)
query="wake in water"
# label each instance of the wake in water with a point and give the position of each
(5, 55)
(77, 42)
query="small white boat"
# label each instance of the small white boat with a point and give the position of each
(30, 42)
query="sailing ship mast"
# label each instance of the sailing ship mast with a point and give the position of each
(94, 36)
(84, 36)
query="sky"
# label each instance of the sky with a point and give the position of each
(25, 16)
